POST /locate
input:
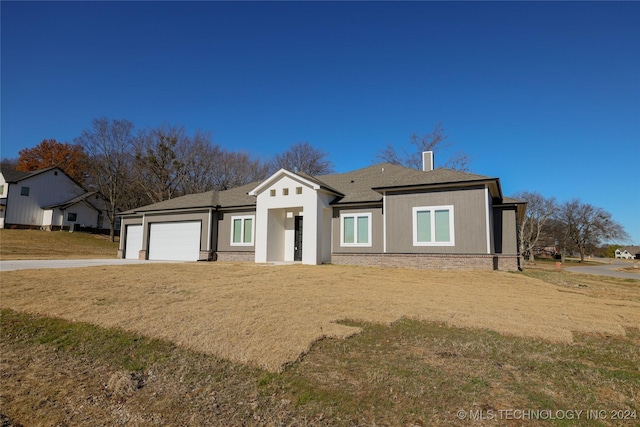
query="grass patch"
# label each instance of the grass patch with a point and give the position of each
(129, 351)
(35, 244)
(586, 284)
(409, 373)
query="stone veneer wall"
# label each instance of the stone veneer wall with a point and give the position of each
(235, 256)
(430, 261)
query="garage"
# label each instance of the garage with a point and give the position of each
(174, 241)
(134, 241)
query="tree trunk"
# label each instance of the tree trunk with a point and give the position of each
(112, 230)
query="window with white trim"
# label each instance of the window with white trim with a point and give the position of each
(433, 226)
(355, 229)
(242, 230)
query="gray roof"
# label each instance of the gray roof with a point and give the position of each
(80, 198)
(198, 200)
(359, 186)
(364, 185)
(12, 175)
(511, 200)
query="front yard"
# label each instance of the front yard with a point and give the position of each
(231, 344)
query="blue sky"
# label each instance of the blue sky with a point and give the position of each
(544, 95)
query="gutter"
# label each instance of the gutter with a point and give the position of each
(455, 184)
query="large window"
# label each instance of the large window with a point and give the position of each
(433, 226)
(242, 230)
(355, 229)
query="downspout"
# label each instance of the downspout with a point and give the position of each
(488, 227)
(384, 222)
(209, 249)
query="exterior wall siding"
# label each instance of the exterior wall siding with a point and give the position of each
(506, 230)
(224, 225)
(377, 231)
(470, 220)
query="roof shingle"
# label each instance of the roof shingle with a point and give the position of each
(358, 186)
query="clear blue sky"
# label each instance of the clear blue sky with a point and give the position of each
(544, 95)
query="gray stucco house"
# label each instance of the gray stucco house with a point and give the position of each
(385, 215)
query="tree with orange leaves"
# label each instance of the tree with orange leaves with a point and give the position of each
(71, 158)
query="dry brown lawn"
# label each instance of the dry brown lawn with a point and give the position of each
(270, 315)
(36, 244)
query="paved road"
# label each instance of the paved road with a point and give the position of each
(606, 269)
(9, 265)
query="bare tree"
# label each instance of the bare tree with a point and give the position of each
(108, 144)
(539, 211)
(239, 168)
(8, 163)
(201, 164)
(584, 226)
(435, 140)
(303, 157)
(160, 161)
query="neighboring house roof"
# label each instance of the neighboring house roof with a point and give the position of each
(359, 186)
(12, 176)
(80, 198)
(631, 249)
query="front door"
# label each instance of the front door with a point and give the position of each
(297, 250)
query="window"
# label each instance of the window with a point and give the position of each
(242, 230)
(285, 191)
(2, 189)
(298, 190)
(72, 217)
(433, 226)
(272, 193)
(24, 191)
(355, 229)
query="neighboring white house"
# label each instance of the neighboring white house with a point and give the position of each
(624, 254)
(47, 198)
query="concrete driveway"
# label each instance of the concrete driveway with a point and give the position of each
(10, 265)
(610, 268)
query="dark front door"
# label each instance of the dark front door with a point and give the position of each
(297, 250)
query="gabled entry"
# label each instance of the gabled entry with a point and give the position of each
(297, 250)
(282, 202)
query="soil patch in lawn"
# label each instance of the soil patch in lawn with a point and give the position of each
(271, 315)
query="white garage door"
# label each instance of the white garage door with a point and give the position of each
(134, 241)
(174, 241)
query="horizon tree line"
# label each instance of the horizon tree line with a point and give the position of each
(132, 168)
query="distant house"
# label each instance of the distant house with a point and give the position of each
(384, 214)
(48, 199)
(628, 253)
